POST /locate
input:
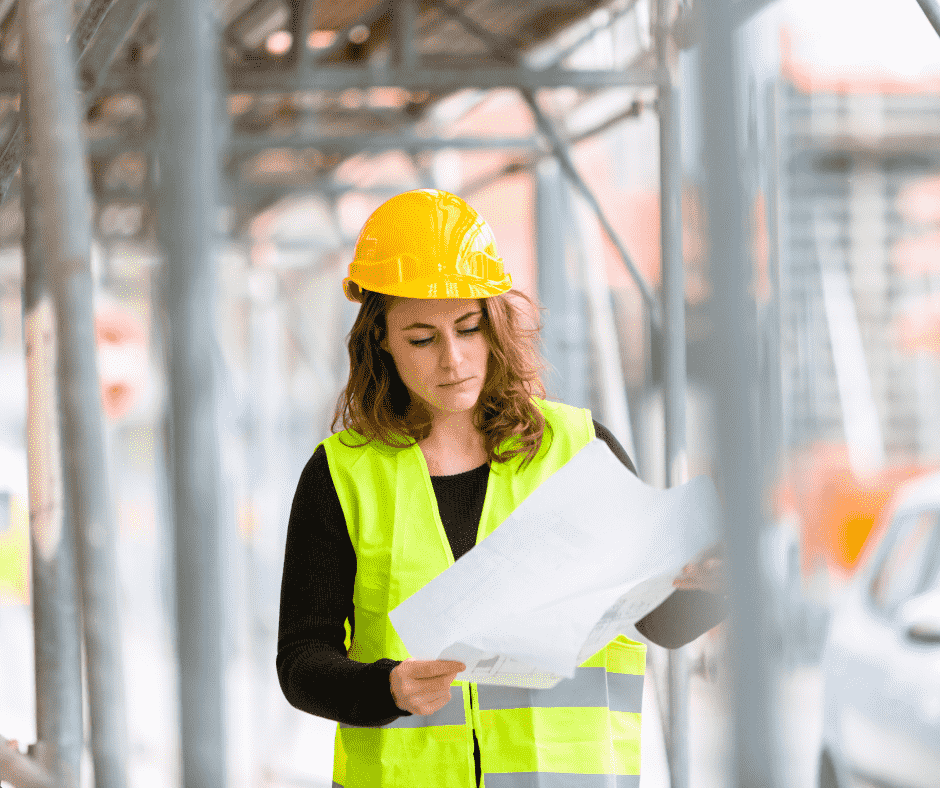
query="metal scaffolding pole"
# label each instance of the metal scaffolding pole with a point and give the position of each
(301, 18)
(563, 337)
(674, 361)
(190, 124)
(350, 144)
(57, 634)
(734, 378)
(443, 76)
(61, 190)
(774, 431)
(404, 18)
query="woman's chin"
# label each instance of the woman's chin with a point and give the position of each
(452, 402)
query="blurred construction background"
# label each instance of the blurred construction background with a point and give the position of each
(568, 126)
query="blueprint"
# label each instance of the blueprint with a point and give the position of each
(585, 556)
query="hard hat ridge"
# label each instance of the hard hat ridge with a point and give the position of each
(426, 243)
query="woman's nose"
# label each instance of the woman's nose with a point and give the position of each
(450, 352)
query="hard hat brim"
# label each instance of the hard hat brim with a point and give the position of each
(452, 286)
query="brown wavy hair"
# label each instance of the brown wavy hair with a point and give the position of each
(376, 404)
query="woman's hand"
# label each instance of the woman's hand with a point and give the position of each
(705, 573)
(422, 686)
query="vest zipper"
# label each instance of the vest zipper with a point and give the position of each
(478, 766)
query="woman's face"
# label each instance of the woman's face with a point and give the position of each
(439, 350)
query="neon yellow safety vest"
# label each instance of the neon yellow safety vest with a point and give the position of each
(585, 732)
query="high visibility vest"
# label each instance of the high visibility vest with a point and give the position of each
(584, 732)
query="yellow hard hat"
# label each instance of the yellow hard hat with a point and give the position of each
(426, 243)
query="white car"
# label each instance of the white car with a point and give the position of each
(881, 660)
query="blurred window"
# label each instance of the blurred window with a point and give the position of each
(912, 563)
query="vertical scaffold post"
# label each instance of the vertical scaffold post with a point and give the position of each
(674, 361)
(564, 340)
(188, 117)
(57, 161)
(734, 350)
(57, 634)
(774, 439)
(404, 18)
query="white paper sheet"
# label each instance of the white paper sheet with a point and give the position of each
(585, 556)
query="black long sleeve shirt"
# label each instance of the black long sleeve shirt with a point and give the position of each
(317, 596)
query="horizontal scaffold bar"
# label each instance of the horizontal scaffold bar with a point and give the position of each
(356, 143)
(244, 144)
(438, 79)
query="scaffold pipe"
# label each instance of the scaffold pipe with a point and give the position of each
(733, 346)
(189, 127)
(57, 634)
(57, 156)
(674, 360)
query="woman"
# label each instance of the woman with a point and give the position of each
(445, 433)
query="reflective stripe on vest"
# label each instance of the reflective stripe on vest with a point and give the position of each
(590, 687)
(559, 780)
(584, 728)
(556, 780)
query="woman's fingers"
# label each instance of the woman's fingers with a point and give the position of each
(423, 686)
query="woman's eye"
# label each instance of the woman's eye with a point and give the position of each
(429, 340)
